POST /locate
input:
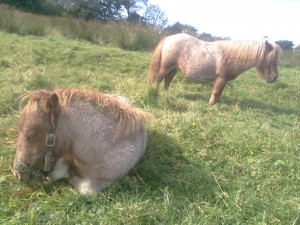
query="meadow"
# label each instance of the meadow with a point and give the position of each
(236, 162)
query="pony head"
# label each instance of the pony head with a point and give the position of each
(268, 66)
(34, 123)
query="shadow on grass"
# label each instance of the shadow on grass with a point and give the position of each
(164, 166)
(196, 97)
(245, 104)
(251, 103)
(169, 102)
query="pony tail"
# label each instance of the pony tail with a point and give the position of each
(155, 64)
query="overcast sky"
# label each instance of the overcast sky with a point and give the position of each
(237, 19)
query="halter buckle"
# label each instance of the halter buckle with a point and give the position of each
(21, 166)
(50, 140)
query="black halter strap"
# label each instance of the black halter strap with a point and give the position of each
(49, 149)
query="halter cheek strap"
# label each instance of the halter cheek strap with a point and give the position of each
(49, 149)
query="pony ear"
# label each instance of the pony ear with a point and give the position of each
(269, 47)
(52, 103)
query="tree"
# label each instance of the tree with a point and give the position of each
(181, 28)
(103, 10)
(110, 9)
(205, 37)
(285, 44)
(135, 18)
(33, 6)
(133, 6)
(84, 9)
(155, 17)
(209, 37)
(29, 5)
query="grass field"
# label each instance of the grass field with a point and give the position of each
(236, 162)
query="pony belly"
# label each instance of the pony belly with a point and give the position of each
(199, 72)
(200, 78)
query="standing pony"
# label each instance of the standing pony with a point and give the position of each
(219, 61)
(91, 138)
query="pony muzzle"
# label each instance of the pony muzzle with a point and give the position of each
(271, 78)
(28, 172)
(20, 172)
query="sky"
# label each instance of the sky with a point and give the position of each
(237, 19)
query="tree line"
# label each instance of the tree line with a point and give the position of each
(133, 11)
(136, 11)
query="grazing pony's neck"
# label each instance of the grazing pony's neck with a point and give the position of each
(246, 54)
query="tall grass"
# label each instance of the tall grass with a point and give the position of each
(14, 21)
(119, 34)
(290, 59)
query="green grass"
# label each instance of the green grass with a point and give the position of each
(236, 162)
(118, 34)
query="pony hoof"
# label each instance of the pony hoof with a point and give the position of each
(211, 102)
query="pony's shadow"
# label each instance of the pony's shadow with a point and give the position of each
(245, 103)
(251, 103)
(196, 97)
(165, 167)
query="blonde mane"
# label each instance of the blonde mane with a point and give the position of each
(129, 118)
(243, 53)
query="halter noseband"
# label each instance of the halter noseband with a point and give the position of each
(47, 155)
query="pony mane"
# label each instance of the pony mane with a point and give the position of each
(246, 53)
(129, 118)
(274, 54)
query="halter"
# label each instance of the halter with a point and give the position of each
(47, 155)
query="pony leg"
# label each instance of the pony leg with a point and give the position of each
(60, 170)
(169, 78)
(217, 91)
(88, 186)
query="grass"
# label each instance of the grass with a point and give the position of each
(118, 34)
(233, 163)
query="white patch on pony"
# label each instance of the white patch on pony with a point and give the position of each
(88, 186)
(60, 170)
(84, 187)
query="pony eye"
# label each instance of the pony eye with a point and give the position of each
(32, 136)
